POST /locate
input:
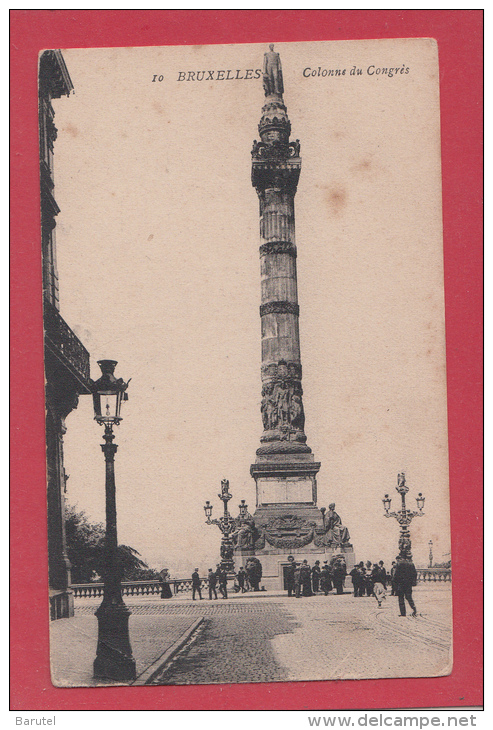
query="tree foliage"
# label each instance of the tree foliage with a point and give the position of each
(85, 549)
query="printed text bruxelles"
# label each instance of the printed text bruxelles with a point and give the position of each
(251, 73)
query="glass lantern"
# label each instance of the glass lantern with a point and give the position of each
(108, 394)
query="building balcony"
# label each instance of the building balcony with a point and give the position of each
(64, 345)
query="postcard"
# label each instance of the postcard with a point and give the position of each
(246, 407)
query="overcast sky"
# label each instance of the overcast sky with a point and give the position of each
(158, 262)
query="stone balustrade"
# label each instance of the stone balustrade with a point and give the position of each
(184, 585)
(139, 588)
(434, 575)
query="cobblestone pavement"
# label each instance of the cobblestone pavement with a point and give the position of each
(233, 645)
(275, 638)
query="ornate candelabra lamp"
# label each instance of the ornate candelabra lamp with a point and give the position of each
(226, 524)
(404, 516)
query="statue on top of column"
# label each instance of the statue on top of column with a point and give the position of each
(272, 73)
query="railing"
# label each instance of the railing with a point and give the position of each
(180, 586)
(61, 604)
(434, 575)
(64, 341)
(138, 588)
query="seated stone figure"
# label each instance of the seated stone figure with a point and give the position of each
(245, 533)
(335, 530)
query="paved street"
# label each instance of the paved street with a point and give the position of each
(269, 638)
(277, 638)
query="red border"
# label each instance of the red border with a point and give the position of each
(459, 35)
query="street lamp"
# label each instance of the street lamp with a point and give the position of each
(243, 507)
(226, 524)
(404, 516)
(430, 557)
(114, 658)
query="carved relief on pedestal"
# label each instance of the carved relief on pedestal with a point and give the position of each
(287, 532)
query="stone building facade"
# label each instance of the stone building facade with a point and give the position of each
(65, 357)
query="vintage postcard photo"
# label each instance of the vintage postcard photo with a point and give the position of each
(246, 415)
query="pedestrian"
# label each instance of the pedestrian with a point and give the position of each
(378, 585)
(392, 581)
(383, 574)
(306, 582)
(196, 584)
(297, 580)
(163, 581)
(289, 573)
(325, 579)
(361, 579)
(355, 574)
(316, 576)
(241, 578)
(212, 578)
(368, 579)
(405, 577)
(217, 573)
(222, 577)
(339, 575)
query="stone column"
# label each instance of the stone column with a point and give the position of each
(284, 469)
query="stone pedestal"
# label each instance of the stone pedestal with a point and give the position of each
(275, 561)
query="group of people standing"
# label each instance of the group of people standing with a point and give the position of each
(216, 579)
(304, 580)
(369, 579)
(372, 579)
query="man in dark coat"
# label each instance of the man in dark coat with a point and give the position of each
(290, 576)
(241, 575)
(316, 576)
(222, 578)
(306, 582)
(212, 584)
(339, 575)
(196, 584)
(355, 574)
(405, 577)
(360, 579)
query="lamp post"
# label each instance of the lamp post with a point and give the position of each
(114, 658)
(404, 516)
(226, 524)
(430, 556)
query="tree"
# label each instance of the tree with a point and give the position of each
(85, 549)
